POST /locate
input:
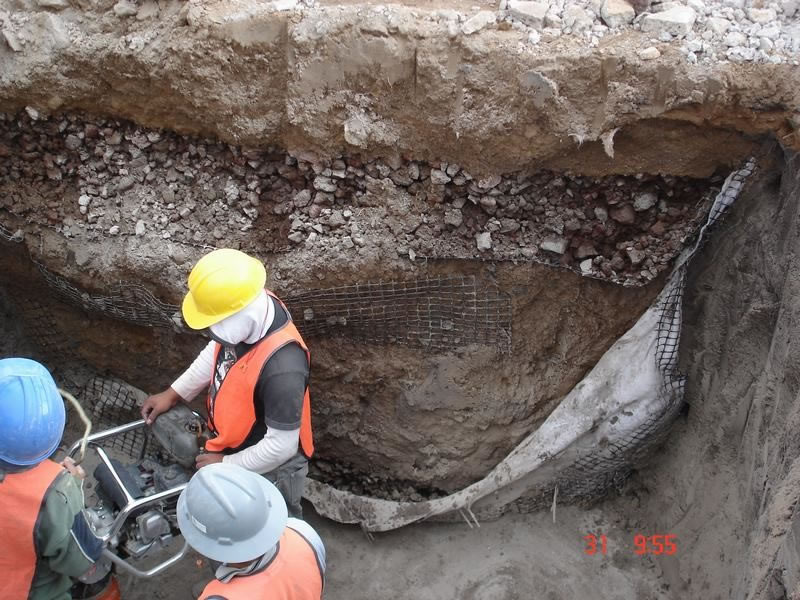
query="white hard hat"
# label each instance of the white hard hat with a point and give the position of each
(230, 514)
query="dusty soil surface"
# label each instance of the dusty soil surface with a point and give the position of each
(516, 558)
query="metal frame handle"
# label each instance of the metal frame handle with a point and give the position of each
(125, 565)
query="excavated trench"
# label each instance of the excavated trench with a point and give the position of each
(460, 229)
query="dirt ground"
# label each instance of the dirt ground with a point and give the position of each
(518, 557)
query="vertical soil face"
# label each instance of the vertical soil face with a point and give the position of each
(727, 481)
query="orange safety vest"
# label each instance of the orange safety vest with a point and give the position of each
(21, 497)
(293, 574)
(232, 413)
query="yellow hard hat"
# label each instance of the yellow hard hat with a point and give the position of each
(221, 283)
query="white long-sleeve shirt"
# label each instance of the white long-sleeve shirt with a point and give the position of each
(274, 449)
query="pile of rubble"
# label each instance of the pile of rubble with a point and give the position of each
(710, 31)
(109, 178)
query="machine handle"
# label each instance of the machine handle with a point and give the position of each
(125, 565)
(101, 435)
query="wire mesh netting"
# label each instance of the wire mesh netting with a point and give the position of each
(6, 235)
(437, 313)
(127, 301)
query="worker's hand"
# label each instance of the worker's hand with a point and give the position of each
(159, 403)
(208, 458)
(72, 468)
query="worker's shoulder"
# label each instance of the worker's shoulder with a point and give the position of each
(306, 531)
(289, 357)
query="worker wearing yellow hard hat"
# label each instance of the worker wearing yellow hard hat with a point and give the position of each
(221, 284)
(256, 369)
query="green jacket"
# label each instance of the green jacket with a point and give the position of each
(65, 544)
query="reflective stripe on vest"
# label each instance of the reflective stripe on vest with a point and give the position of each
(21, 497)
(232, 414)
(293, 574)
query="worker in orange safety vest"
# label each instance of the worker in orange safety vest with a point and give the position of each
(45, 540)
(233, 516)
(256, 369)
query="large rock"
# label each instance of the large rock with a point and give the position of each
(530, 13)
(617, 13)
(53, 4)
(624, 215)
(762, 15)
(554, 244)
(484, 241)
(644, 201)
(453, 217)
(718, 25)
(676, 21)
(478, 22)
(577, 18)
(124, 8)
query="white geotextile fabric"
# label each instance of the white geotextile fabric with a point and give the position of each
(630, 386)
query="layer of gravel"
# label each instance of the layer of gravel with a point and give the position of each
(92, 179)
(708, 31)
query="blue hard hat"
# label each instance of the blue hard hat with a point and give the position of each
(31, 412)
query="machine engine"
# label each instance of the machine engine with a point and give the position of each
(175, 440)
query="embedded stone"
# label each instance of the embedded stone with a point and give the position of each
(124, 8)
(650, 53)
(528, 12)
(478, 22)
(554, 244)
(762, 15)
(586, 251)
(439, 177)
(489, 182)
(624, 215)
(644, 201)
(617, 13)
(453, 217)
(676, 21)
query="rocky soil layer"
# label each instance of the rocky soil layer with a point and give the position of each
(107, 178)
